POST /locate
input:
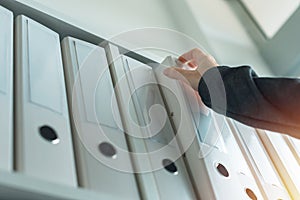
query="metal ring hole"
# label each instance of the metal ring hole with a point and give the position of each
(251, 194)
(49, 134)
(222, 170)
(170, 166)
(108, 150)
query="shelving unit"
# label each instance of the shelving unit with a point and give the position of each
(14, 185)
(17, 186)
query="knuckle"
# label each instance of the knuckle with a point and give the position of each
(197, 50)
(212, 59)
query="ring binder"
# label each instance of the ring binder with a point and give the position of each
(6, 89)
(210, 156)
(258, 160)
(103, 160)
(286, 164)
(43, 137)
(156, 155)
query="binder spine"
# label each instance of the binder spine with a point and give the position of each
(208, 144)
(104, 164)
(155, 153)
(6, 89)
(44, 147)
(284, 161)
(266, 176)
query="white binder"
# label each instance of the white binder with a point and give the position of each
(90, 94)
(284, 160)
(294, 145)
(6, 89)
(43, 137)
(217, 165)
(161, 170)
(260, 163)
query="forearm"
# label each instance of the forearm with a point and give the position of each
(267, 103)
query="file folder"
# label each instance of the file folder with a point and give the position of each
(210, 147)
(6, 89)
(260, 163)
(103, 160)
(284, 160)
(43, 135)
(161, 170)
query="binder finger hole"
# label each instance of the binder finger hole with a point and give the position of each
(108, 150)
(49, 134)
(170, 166)
(251, 194)
(222, 170)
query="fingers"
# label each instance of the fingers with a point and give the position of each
(189, 77)
(190, 63)
(191, 58)
(176, 73)
(190, 88)
(192, 54)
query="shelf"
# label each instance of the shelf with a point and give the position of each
(17, 186)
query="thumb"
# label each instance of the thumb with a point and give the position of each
(176, 73)
(190, 77)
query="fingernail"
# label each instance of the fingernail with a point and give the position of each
(192, 65)
(182, 59)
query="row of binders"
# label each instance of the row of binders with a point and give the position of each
(81, 115)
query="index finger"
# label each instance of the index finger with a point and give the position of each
(190, 55)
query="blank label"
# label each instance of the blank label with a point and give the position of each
(46, 79)
(5, 49)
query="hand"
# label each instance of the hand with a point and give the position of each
(198, 61)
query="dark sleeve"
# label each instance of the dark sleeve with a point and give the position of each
(266, 103)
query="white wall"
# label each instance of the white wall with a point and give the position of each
(107, 17)
(210, 23)
(115, 20)
(226, 35)
(271, 15)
